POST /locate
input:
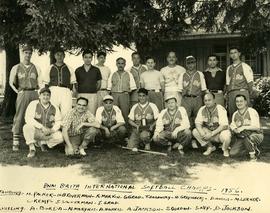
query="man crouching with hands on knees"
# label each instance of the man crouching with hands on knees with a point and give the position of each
(212, 125)
(79, 128)
(43, 121)
(172, 126)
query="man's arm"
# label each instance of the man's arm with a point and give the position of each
(66, 137)
(98, 85)
(12, 78)
(133, 124)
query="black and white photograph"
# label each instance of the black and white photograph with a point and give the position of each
(134, 106)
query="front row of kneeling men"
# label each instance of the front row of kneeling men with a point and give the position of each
(169, 128)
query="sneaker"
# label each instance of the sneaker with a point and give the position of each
(31, 154)
(82, 152)
(194, 144)
(147, 146)
(43, 148)
(15, 148)
(175, 146)
(226, 153)
(209, 150)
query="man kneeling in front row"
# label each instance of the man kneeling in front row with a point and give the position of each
(172, 126)
(212, 125)
(43, 122)
(112, 123)
(79, 128)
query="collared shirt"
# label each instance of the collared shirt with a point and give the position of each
(171, 76)
(111, 118)
(169, 122)
(136, 72)
(212, 120)
(87, 80)
(192, 83)
(39, 116)
(105, 74)
(59, 76)
(217, 82)
(238, 76)
(152, 80)
(31, 79)
(249, 118)
(121, 82)
(73, 119)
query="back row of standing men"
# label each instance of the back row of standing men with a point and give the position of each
(187, 86)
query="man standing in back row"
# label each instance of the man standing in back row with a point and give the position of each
(136, 70)
(171, 75)
(89, 81)
(61, 80)
(25, 80)
(239, 80)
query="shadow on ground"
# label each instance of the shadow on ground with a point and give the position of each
(111, 164)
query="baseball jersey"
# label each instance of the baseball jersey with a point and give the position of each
(109, 119)
(136, 73)
(238, 76)
(192, 83)
(212, 120)
(121, 82)
(169, 122)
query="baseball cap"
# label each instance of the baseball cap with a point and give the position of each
(44, 89)
(170, 97)
(108, 97)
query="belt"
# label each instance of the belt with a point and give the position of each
(154, 90)
(32, 89)
(60, 85)
(242, 90)
(216, 91)
(103, 90)
(191, 96)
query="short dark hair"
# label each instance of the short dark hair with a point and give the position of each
(58, 50)
(235, 48)
(87, 52)
(171, 51)
(121, 58)
(143, 90)
(135, 53)
(101, 53)
(209, 93)
(212, 55)
(82, 98)
(150, 57)
(241, 95)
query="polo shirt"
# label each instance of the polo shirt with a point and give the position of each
(87, 80)
(217, 82)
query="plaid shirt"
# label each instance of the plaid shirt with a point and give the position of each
(73, 119)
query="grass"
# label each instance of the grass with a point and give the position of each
(111, 164)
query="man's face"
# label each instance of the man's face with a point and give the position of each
(191, 66)
(171, 104)
(45, 97)
(209, 100)
(59, 57)
(212, 62)
(142, 98)
(81, 106)
(136, 59)
(120, 64)
(101, 59)
(234, 54)
(27, 55)
(108, 105)
(87, 59)
(150, 63)
(171, 59)
(240, 102)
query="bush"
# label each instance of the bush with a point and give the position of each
(262, 101)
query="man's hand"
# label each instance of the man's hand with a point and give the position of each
(69, 150)
(207, 136)
(240, 129)
(156, 136)
(113, 128)
(174, 134)
(46, 130)
(151, 128)
(107, 132)
(79, 127)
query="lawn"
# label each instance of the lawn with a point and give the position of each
(115, 165)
